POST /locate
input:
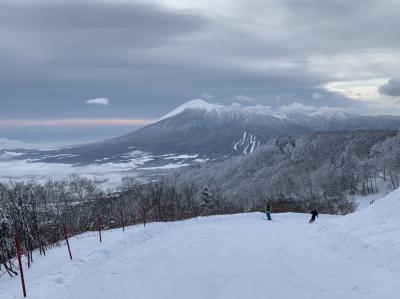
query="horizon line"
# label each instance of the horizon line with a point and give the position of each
(127, 122)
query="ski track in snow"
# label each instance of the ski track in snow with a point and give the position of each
(240, 256)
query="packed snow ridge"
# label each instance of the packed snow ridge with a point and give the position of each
(229, 257)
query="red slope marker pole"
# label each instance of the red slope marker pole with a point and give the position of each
(66, 239)
(21, 271)
(99, 226)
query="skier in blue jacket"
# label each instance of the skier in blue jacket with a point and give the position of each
(268, 212)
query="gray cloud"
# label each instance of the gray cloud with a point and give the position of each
(149, 58)
(392, 88)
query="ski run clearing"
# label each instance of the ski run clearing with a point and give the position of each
(239, 256)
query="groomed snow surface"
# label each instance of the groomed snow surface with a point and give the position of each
(239, 256)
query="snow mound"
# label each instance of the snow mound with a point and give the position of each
(375, 229)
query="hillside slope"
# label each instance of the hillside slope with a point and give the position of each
(374, 229)
(237, 256)
(324, 165)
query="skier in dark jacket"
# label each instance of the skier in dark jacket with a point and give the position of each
(314, 214)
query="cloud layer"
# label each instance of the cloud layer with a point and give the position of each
(150, 56)
(77, 122)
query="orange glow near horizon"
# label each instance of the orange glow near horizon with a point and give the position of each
(115, 122)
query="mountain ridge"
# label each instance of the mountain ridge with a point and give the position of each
(212, 132)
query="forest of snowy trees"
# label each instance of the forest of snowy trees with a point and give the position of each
(319, 170)
(327, 166)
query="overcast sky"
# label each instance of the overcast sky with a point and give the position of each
(120, 64)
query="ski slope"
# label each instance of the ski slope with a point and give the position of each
(239, 256)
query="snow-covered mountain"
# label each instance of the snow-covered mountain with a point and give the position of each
(199, 131)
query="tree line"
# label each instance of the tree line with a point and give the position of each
(37, 213)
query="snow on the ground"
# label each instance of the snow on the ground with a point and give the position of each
(383, 188)
(166, 166)
(109, 173)
(364, 201)
(9, 154)
(371, 235)
(239, 256)
(172, 157)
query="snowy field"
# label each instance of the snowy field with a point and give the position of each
(240, 256)
(106, 173)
